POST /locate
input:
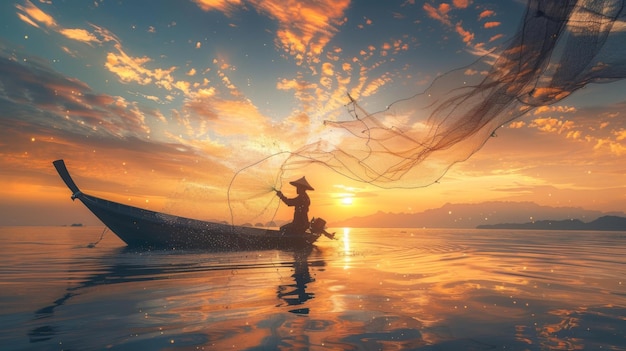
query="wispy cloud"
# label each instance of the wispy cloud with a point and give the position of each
(37, 18)
(128, 68)
(447, 15)
(304, 27)
(604, 131)
(225, 6)
(68, 101)
(486, 13)
(79, 35)
(32, 15)
(491, 24)
(439, 13)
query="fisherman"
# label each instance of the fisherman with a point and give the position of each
(301, 203)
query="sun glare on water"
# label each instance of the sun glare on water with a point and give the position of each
(346, 248)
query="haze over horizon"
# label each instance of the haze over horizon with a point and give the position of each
(158, 106)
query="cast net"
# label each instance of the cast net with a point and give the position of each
(560, 47)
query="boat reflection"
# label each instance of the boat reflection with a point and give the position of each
(115, 269)
(295, 294)
(183, 278)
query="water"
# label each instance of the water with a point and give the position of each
(373, 289)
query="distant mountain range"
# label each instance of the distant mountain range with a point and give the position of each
(602, 223)
(474, 215)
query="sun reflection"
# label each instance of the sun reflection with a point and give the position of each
(346, 248)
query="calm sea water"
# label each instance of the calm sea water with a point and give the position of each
(373, 289)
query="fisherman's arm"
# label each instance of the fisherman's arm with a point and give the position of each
(289, 202)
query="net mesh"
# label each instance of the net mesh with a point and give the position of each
(560, 47)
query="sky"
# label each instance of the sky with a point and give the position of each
(159, 104)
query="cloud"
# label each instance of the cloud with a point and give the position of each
(491, 24)
(80, 35)
(131, 69)
(554, 108)
(304, 27)
(551, 125)
(32, 15)
(328, 69)
(368, 22)
(603, 133)
(440, 14)
(127, 68)
(225, 6)
(517, 124)
(615, 147)
(240, 124)
(55, 100)
(461, 4)
(486, 13)
(467, 36)
(495, 37)
(45, 115)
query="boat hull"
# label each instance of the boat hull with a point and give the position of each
(141, 228)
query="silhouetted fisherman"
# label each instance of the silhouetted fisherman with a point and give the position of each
(301, 204)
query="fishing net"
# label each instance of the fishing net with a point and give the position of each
(560, 47)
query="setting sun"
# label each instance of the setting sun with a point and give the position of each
(347, 200)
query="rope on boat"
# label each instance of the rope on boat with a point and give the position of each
(92, 245)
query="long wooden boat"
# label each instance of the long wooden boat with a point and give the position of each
(141, 228)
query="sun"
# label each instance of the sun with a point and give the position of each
(347, 200)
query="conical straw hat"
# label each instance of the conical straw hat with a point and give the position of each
(302, 183)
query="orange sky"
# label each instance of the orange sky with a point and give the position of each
(160, 111)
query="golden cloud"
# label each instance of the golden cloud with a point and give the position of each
(128, 69)
(304, 27)
(328, 69)
(440, 14)
(461, 4)
(485, 14)
(495, 37)
(347, 67)
(517, 124)
(550, 93)
(554, 108)
(491, 24)
(79, 35)
(614, 147)
(32, 14)
(225, 6)
(575, 134)
(27, 20)
(467, 36)
(551, 125)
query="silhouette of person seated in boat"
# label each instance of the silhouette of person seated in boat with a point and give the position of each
(301, 204)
